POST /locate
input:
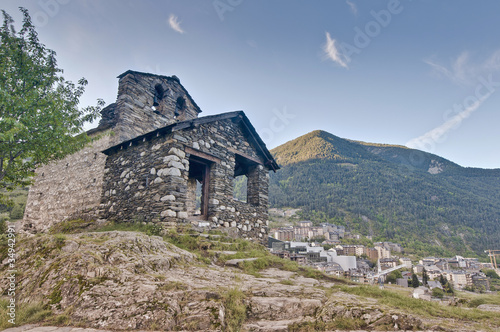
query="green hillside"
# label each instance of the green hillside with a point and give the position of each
(428, 204)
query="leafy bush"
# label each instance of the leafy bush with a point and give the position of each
(17, 212)
(438, 292)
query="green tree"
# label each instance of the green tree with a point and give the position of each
(425, 277)
(17, 212)
(443, 280)
(39, 116)
(414, 281)
(492, 274)
(448, 289)
(392, 276)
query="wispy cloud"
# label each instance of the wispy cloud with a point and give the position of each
(352, 6)
(252, 43)
(332, 52)
(174, 23)
(439, 133)
(462, 70)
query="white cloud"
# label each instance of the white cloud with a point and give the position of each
(352, 6)
(332, 53)
(174, 23)
(436, 135)
(462, 71)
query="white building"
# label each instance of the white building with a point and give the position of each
(383, 252)
(406, 261)
(459, 279)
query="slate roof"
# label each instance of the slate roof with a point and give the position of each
(248, 127)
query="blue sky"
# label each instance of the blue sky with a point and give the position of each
(418, 73)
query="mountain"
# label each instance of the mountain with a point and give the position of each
(425, 202)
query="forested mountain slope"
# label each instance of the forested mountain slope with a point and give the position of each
(427, 203)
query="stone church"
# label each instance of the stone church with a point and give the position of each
(153, 159)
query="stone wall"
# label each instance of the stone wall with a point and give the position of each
(136, 94)
(72, 187)
(67, 188)
(162, 152)
(149, 180)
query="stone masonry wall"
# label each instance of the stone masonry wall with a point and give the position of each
(67, 188)
(72, 187)
(136, 92)
(148, 181)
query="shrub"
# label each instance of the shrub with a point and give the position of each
(438, 292)
(17, 212)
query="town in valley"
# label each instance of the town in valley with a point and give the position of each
(324, 248)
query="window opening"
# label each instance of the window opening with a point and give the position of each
(158, 96)
(180, 104)
(240, 188)
(245, 186)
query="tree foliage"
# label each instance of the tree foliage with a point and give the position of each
(387, 192)
(438, 292)
(492, 274)
(425, 277)
(414, 281)
(39, 116)
(393, 276)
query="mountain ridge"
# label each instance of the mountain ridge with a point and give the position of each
(409, 195)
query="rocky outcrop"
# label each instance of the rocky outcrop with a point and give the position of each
(130, 281)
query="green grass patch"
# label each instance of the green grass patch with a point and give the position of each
(473, 300)
(25, 313)
(236, 310)
(287, 282)
(340, 323)
(146, 228)
(173, 285)
(421, 307)
(71, 226)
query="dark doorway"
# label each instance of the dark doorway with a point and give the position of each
(198, 187)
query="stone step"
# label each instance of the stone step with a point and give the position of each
(236, 262)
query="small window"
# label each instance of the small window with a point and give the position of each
(180, 105)
(159, 92)
(157, 98)
(245, 183)
(240, 188)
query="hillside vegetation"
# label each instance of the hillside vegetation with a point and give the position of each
(427, 203)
